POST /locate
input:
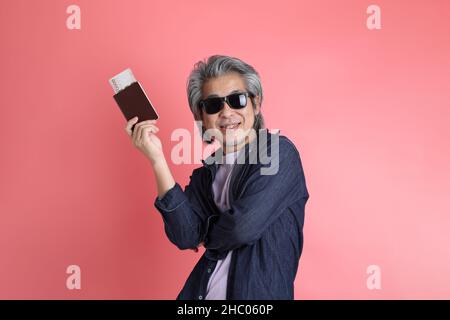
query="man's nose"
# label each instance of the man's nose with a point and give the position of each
(226, 110)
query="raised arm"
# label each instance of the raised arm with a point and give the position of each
(182, 218)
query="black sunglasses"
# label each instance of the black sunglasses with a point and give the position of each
(215, 104)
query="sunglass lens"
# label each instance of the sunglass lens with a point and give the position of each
(238, 100)
(213, 105)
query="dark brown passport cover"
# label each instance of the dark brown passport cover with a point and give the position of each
(133, 102)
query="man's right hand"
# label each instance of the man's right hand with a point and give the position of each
(144, 138)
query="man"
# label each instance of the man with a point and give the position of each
(249, 220)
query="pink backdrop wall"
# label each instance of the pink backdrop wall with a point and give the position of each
(368, 110)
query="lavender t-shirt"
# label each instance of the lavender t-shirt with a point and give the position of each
(217, 284)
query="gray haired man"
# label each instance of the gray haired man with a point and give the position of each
(250, 223)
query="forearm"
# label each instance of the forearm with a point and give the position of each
(182, 222)
(163, 176)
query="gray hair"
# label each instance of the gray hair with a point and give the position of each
(216, 66)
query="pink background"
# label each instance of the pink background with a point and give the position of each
(368, 110)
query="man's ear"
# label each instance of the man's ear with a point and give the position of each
(257, 104)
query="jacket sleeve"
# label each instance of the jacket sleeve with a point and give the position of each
(263, 200)
(182, 215)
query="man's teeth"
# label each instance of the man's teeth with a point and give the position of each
(231, 126)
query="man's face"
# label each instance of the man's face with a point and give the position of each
(232, 138)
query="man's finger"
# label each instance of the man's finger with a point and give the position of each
(130, 124)
(146, 128)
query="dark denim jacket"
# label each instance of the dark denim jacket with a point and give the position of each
(264, 225)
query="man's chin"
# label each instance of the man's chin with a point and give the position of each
(234, 141)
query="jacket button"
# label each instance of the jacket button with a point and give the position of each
(209, 270)
(200, 297)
